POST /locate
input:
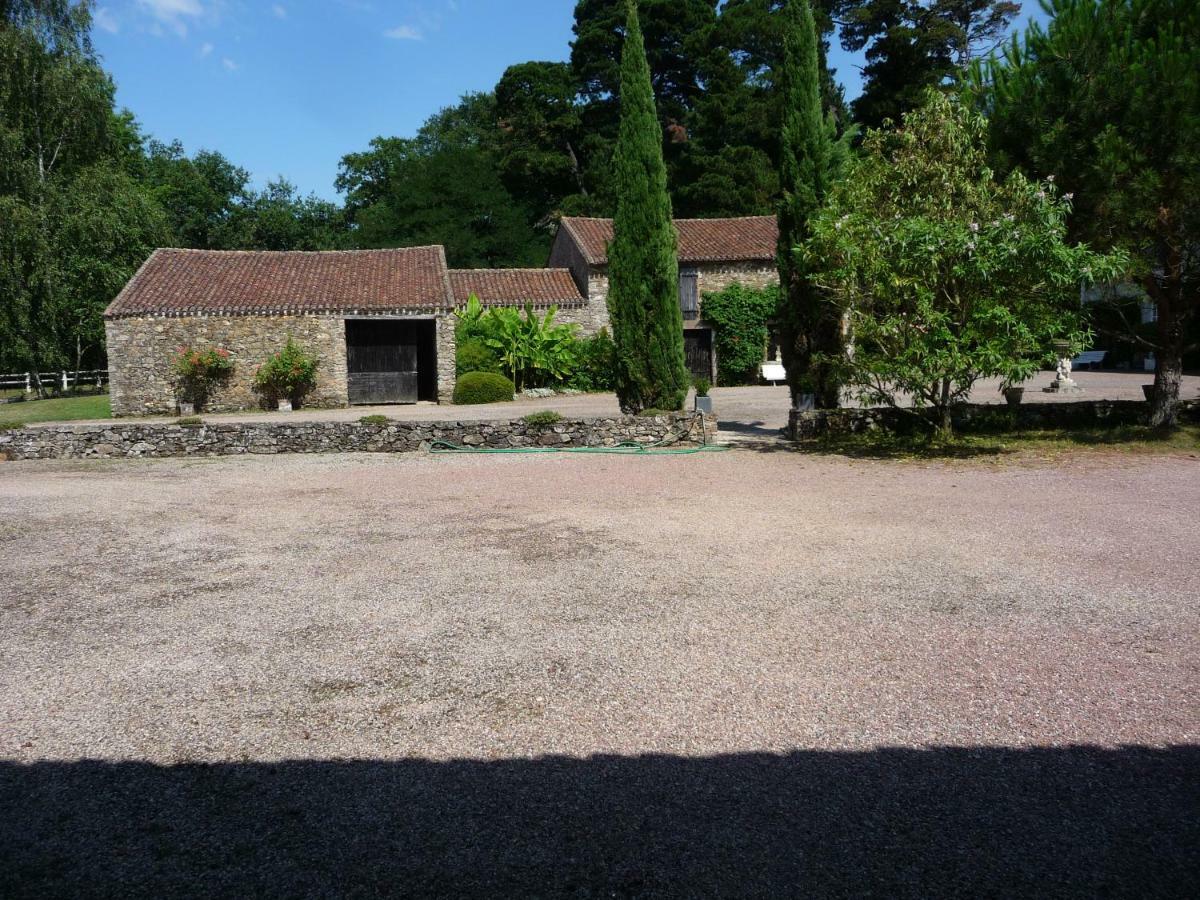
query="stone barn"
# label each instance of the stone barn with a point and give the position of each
(713, 254)
(380, 321)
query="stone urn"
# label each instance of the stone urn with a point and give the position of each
(187, 408)
(1013, 395)
(284, 405)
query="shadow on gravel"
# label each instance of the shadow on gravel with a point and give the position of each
(1079, 822)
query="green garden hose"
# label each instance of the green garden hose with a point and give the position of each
(626, 448)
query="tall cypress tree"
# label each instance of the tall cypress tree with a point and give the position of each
(809, 159)
(643, 297)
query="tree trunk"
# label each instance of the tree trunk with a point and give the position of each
(945, 422)
(1166, 289)
(1168, 373)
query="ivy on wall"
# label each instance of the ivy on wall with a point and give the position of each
(739, 316)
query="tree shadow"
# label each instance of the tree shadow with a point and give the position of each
(1045, 822)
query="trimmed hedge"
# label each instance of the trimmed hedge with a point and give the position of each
(483, 387)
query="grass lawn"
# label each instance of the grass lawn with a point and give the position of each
(63, 409)
(1138, 439)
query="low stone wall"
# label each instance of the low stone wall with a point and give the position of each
(124, 439)
(980, 417)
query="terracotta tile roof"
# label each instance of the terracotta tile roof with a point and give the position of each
(515, 287)
(746, 239)
(241, 282)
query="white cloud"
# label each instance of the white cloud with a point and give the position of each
(105, 20)
(404, 33)
(229, 64)
(206, 50)
(280, 11)
(173, 13)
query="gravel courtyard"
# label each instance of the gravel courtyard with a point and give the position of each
(746, 674)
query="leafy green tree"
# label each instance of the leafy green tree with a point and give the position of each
(203, 196)
(540, 123)
(643, 297)
(105, 225)
(913, 45)
(1107, 99)
(947, 274)
(55, 112)
(280, 218)
(810, 325)
(442, 187)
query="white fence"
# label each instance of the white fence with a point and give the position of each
(54, 381)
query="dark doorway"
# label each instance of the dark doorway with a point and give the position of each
(391, 360)
(698, 352)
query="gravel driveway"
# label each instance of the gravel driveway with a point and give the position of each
(738, 674)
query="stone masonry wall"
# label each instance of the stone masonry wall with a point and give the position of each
(447, 349)
(123, 439)
(140, 352)
(711, 277)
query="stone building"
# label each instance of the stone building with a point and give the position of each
(713, 254)
(380, 321)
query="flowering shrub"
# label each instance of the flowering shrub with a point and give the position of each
(196, 371)
(289, 374)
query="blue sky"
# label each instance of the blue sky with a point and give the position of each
(289, 87)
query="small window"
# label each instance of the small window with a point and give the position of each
(689, 293)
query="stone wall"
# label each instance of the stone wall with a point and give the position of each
(711, 277)
(124, 439)
(980, 417)
(447, 350)
(718, 276)
(140, 351)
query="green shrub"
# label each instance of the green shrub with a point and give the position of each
(653, 412)
(543, 417)
(190, 422)
(373, 420)
(739, 316)
(289, 374)
(702, 386)
(11, 426)
(595, 363)
(473, 355)
(483, 387)
(198, 371)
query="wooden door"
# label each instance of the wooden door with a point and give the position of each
(382, 361)
(698, 352)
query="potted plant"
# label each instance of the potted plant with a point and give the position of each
(1148, 390)
(287, 376)
(1013, 394)
(197, 372)
(806, 396)
(703, 401)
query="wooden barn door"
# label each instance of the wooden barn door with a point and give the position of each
(382, 360)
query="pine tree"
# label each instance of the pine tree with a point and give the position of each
(809, 159)
(1107, 98)
(643, 298)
